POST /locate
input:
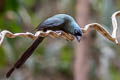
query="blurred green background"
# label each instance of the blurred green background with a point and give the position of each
(54, 59)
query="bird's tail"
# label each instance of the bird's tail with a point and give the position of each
(25, 56)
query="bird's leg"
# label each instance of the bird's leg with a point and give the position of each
(59, 31)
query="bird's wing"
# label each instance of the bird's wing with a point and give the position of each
(50, 23)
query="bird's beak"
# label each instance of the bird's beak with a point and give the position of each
(78, 38)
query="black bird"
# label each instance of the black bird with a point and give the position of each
(58, 22)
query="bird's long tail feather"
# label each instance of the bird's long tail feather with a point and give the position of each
(25, 56)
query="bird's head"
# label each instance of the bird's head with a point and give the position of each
(77, 33)
(71, 25)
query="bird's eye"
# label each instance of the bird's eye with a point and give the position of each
(75, 31)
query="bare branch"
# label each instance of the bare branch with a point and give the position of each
(53, 34)
(56, 34)
(103, 31)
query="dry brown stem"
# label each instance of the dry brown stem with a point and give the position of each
(56, 34)
(103, 31)
(53, 34)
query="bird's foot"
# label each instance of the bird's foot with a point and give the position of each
(60, 31)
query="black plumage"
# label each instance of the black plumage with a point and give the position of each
(58, 22)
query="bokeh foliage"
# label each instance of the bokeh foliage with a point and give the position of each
(53, 59)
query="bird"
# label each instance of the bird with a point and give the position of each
(59, 22)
